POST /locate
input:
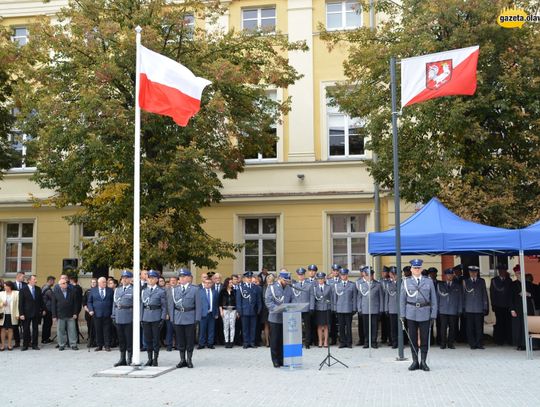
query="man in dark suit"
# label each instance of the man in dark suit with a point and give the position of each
(100, 304)
(31, 308)
(209, 313)
(64, 309)
(74, 283)
(19, 285)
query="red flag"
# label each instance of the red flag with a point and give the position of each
(169, 88)
(441, 74)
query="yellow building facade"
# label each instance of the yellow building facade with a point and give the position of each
(312, 201)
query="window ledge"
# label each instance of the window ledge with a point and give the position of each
(29, 170)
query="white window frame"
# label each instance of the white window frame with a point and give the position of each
(349, 236)
(18, 38)
(343, 13)
(19, 240)
(279, 134)
(261, 237)
(259, 16)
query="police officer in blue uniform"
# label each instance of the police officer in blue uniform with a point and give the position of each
(184, 312)
(391, 305)
(418, 299)
(321, 304)
(122, 316)
(302, 293)
(277, 293)
(450, 297)
(344, 293)
(475, 307)
(248, 306)
(370, 302)
(312, 278)
(153, 314)
(383, 317)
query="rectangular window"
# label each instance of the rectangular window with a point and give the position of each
(260, 244)
(345, 134)
(19, 246)
(348, 240)
(272, 154)
(20, 35)
(23, 146)
(263, 19)
(343, 15)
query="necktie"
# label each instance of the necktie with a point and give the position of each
(125, 288)
(302, 284)
(209, 300)
(418, 281)
(102, 293)
(33, 294)
(65, 294)
(321, 288)
(183, 289)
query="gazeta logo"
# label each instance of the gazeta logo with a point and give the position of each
(512, 17)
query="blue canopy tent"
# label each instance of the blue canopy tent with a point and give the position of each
(435, 230)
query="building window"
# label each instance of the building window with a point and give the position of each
(20, 36)
(345, 134)
(260, 244)
(272, 154)
(343, 15)
(19, 247)
(348, 240)
(263, 19)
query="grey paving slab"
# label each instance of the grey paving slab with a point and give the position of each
(498, 376)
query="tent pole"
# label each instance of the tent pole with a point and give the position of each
(524, 304)
(396, 200)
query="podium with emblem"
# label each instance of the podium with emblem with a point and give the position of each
(292, 333)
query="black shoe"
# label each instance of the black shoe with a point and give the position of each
(365, 346)
(181, 364)
(189, 364)
(276, 364)
(61, 348)
(414, 365)
(307, 346)
(394, 346)
(75, 347)
(451, 347)
(360, 344)
(169, 348)
(154, 362)
(342, 346)
(107, 349)
(45, 341)
(149, 362)
(375, 346)
(443, 346)
(35, 347)
(24, 348)
(211, 347)
(473, 347)
(349, 346)
(424, 366)
(480, 347)
(99, 348)
(201, 347)
(121, 362)
(244, 346)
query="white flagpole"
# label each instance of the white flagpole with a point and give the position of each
(136, 214)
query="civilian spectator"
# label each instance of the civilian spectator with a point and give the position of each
(64, 311)
(47, 293)
(100, 303)
(31, 308)
(88, 317)
(9, 308)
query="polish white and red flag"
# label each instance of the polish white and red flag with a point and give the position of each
(440, 74)
(169, 88)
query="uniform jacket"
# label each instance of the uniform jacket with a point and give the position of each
(153, 304)
(450, 298)
(205, 306)
(122, 311)
(390, 297)
(344, 297)
(500, 292)
(31, 307)
(184, 307)
(475, 298)
(102, 307)
(423, 294)
(302, 293)
(370, 300)
(248, 299)
(275, 296)
(320, 300)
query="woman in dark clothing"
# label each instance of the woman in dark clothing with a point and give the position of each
(227, 309)
(516, 308)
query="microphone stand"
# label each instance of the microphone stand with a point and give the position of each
(330, 360)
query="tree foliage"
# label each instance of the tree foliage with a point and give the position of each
(81, 85)
(478, 154)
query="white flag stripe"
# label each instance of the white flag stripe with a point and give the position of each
(165, 71)
(413, 71)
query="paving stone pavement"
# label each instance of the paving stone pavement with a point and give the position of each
(496, 376)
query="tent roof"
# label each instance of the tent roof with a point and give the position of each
(436, 230)
(530, 238)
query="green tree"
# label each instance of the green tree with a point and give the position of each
(478, 154)
(81, 80)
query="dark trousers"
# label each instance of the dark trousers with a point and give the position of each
(436, 336)
(249, 324)
(448, 329)
(333, 331)
(125, 337)
(393, 322)
(46, 327)
(102, 326)
(185, 337)
(220, 338)
(415, 328)
(502, 331)
(16, 332)
(207, 328)
(276, 343)
(30, 331)
(461, 334)
(374, 324)
(475, 328)
(238, 331)
(151, 335)
(306, 328)
(361, 338)
(345, 328)
(385, 327)
(169, 335)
